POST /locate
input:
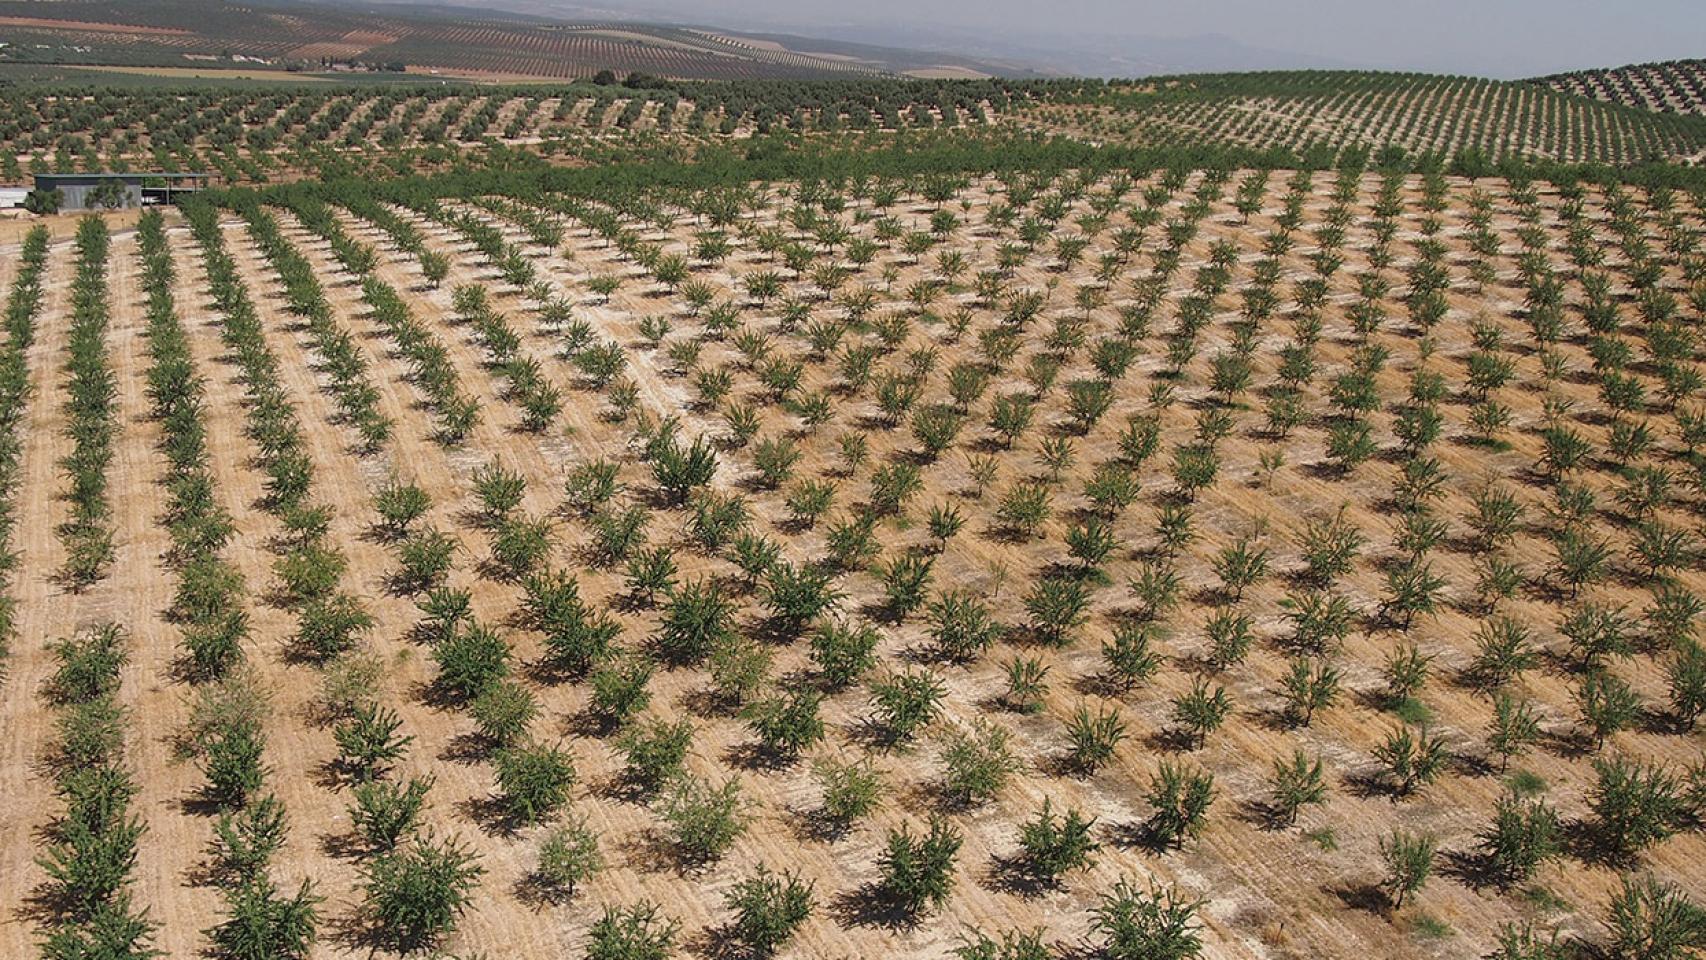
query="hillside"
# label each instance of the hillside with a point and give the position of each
(1672, 86)
(261, 133)
(1307, 112)
(444, 40)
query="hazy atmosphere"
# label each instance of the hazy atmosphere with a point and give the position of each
(1505, 39)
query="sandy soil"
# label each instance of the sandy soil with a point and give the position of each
(1268, 893)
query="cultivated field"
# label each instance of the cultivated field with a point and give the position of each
(271, 133)
(1671, 86)
(1317, 555)
(1309, 112)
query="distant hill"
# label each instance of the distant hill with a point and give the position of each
(1672, 86)
(420, 38)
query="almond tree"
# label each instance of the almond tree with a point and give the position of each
(1409, 862)
(918, 871)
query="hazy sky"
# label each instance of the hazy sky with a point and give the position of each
(1500, 38)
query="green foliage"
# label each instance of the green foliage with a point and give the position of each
(1652, 920)
(1130, 656)
(905, 580)
(399, 505)
(1051, 846)
(1412, 760)
(678, 472)
(739, 669)
(620, 688)
(1013, 945)
(262, 925)
(1024, 508)
(1027, 684)
(1157, 924)
(387, 812)
(851, 791)
(1181, 799)
(1309, 686)
(499, 491)
(520, 544)
(1057, 607)
(114, 930)
(918, 871)
(244, 840)
(415, 894)
(471, 660)
(1093, 737)
(1635, 806)
(568, 856)
(503, 711)
(655, 752)
(576, 636)
(1409, 860)
(706, 819)
(329, 626)
(843, 652)
(1297, 783)
(1515, 727)
(637, 932)
(1523, 835)
(533, 781)
(230, 760)
(591, 485)
(906, 702)
(797, 595)
(769, 908)
(787, 723)
(976, 762)
(1201, 711)
(962, 626)
(697, 620)
(369, 742)
(89, 664)
(1607, 703)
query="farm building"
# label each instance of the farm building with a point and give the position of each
(88, 191)
(12, 197)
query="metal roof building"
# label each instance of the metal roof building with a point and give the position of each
(90, 191)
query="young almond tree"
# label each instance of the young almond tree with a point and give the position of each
(1181, 799)
(769, 909)
(1054, 845)
(1523, 835)
(1409, 862)
(1297, 783)
(918, 871)
(1157, 924)
(416, 894)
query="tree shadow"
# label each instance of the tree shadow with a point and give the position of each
(491, 815)
(1367, 897)
(536, 893)
(1016, 875)
(1475, 870)
(757, 756)
(871, 905)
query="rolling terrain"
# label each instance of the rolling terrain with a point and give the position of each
(436, 40)
(1674, 86)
